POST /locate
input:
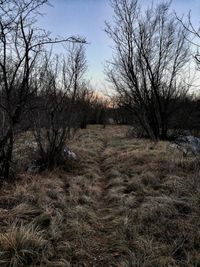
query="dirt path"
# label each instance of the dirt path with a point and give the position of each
(101, 237)
(104, 227)
(95, 231)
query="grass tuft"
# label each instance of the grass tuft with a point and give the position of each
(21, 246)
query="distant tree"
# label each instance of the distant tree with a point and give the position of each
(21, 46)
(150, 54)
(119, 113)
(84, 104)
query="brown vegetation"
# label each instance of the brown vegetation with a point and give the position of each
(125, 202)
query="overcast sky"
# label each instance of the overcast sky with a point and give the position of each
(86, 18)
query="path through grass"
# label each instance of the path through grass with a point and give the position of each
(125, 203)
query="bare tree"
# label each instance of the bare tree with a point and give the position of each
(74, 72)
(194, 35)
(21, 45)
(150, 52)
(60, 83)
(84, 104)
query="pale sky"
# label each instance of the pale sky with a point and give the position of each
(86, 18)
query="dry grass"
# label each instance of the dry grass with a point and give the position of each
(126, 202)
(21, 246)
(153, 199)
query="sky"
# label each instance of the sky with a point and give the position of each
(87, 18)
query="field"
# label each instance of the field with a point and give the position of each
(124, 203)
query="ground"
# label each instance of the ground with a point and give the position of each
(125, 202)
